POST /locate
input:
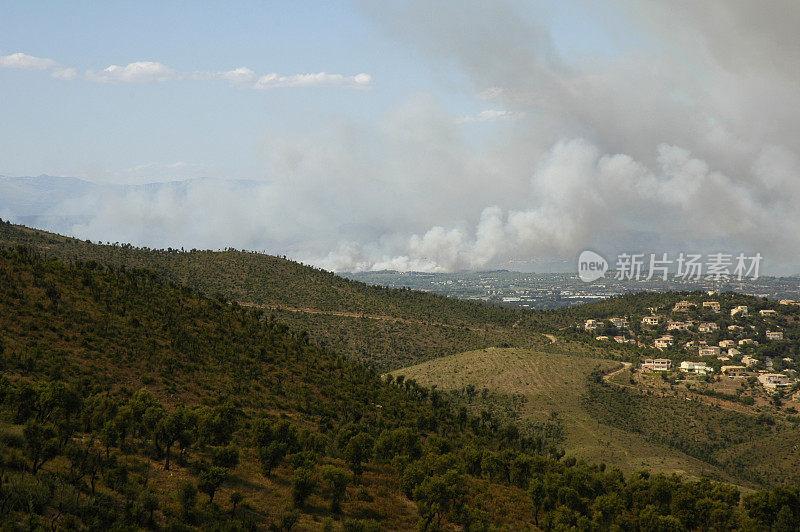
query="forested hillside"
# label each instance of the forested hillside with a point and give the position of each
(131, 402)
(350, 316)
(261, 279)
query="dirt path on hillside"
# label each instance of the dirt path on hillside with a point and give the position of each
(607, 376)
(379, 317)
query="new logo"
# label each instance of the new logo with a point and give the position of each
(591, 266)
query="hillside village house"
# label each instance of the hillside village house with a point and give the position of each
(774, 380)
(657, 364)
(788, 302)
(708, 351)
(619, 323)
(735, 328)
(708, 327)
(727, 343)
(748, 360)
(678, 325)
(767, 312)
(619, 339)
(664, 342)
(741, 310)
(602, 338)
(713, 305)
(747, 341)
(732, 352)
(683, 306)
(651, 320)
(592, 325)
(734, 371)
(774, 335)
(698, 368)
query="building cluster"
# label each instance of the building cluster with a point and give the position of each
(727, 335)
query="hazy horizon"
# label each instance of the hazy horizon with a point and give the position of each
(410, 135)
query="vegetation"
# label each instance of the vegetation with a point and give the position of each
(386, 327)
(129, 400)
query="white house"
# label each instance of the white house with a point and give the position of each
(619, 323)
(734, 371)
(727, 343)
(747, 341)
(708, 351)
(774, 335)
(708, 327)
(740, 310)
(657, 364)
(591, 325)
(713, 305)
(698, 368)
(748, 360)
(767, 312)
(683, 306)
(651, 320)
(664, 342)
(774, 380)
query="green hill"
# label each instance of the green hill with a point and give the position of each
(130, 402)
(349, 316)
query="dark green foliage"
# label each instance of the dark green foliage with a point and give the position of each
(334, 485)
(358, 450)
(303, 485)
(229, 384)
(210, 479)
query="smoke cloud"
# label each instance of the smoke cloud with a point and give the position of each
(683, 139)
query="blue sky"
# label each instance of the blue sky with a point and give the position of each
(99, 130)
(413, 134)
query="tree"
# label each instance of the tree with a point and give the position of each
(271, 456)
(537, 494)
(334, 485)
(227, 457)
(236, 499)
(210, 480)
(187, 498)
(302, 486)
(358, 450)
(438, 496)
(40, 444)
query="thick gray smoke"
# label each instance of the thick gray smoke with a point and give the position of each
(686, 142)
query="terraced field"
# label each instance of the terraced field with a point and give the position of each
(554, 383)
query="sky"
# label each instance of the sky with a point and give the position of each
(412, 135)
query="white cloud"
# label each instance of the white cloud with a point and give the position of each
(490, 115)
(67, 74)
(137, 72)
(319, 79)
(26, 62)
(153, 71)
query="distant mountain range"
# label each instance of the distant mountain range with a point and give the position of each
(58, 204)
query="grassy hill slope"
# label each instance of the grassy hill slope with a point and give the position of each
(553, 383)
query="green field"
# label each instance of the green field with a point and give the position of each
(553, 382)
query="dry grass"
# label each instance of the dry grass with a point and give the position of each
(555, 383)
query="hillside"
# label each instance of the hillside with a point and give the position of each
(553, 386)
(128, 402)
(625, 425)
(350, 316)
